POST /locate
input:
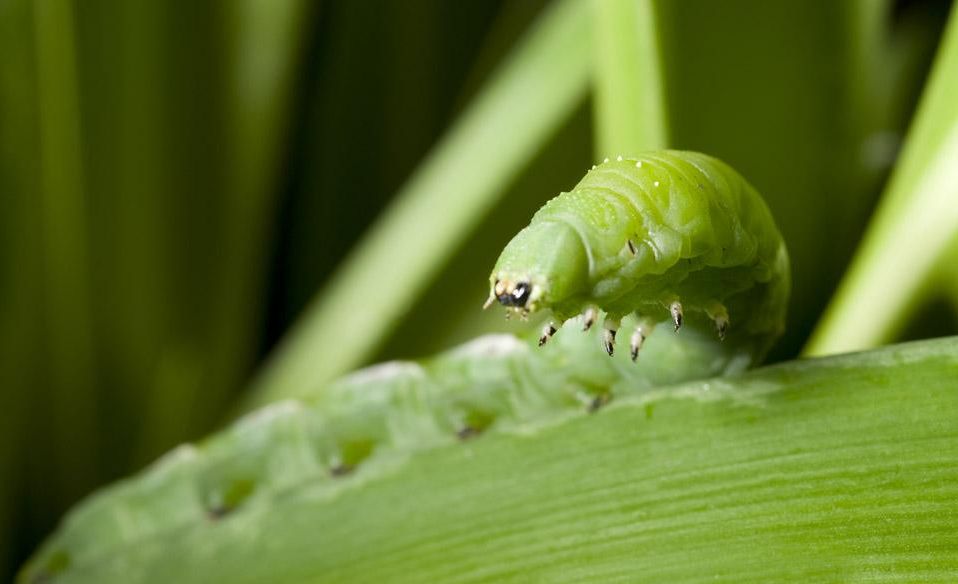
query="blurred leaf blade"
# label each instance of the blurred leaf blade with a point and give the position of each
(526, 100)
(835, 468)
(789, 94)
(66, 287)
(265, 41)
(20, 340)
(630, 106)
(913, 227)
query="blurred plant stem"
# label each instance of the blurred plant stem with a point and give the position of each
(66, 296)
(630, 110)
(522, 105)
(794, 95)
(20, 337)
(913, 227)
(263, 43)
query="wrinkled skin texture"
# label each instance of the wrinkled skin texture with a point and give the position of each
(639, 233)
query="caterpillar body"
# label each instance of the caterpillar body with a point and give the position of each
(664, 236)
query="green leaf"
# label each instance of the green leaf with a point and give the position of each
(913, 227)
(835, 469)
(536, 90)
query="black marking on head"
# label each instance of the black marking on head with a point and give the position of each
(518, 296)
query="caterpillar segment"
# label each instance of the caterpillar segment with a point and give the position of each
(660, 236)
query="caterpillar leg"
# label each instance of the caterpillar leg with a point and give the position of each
(719, 315)
(547, 332)
(675, 309)
(588, 317)
(642, 332)
(610, 326)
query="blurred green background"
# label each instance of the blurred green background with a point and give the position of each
(179, 180)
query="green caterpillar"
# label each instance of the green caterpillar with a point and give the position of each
(659, 235)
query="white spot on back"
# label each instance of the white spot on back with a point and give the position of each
(619, 158)
(656, 183)
(638, 164)
(605, 160)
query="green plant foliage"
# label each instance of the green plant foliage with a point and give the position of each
(913, 228)
(19, 273)
(178, 178)
(739, 78)
(630, 114)
(837, 468)
(536, 89)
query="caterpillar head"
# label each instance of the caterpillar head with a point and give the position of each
(543, 266)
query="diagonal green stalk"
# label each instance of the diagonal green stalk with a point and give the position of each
(630, 108)
(526, 101)
(912, 228)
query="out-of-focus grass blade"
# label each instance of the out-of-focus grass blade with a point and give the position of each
(747, 81)
(629, 102)
(836, 469)
(20, 350)
(184, 110)
(66, 291)
(264, 41)
(527, 99)
(912, 228)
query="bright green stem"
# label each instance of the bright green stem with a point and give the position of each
(833, 469)
(535, 90)
(629, 100)
(913, 226)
